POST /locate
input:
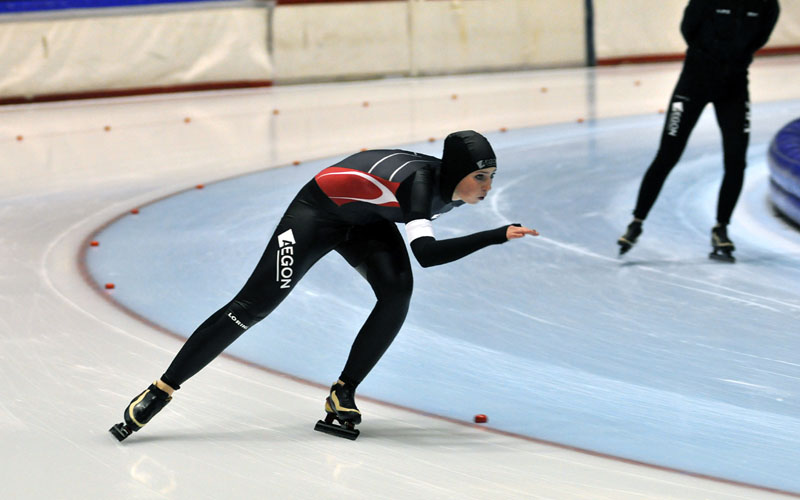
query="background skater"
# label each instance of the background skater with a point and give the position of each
(352, 208)
(722, 36)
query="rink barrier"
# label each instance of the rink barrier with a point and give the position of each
(784, 168)
(69, 49)
(22, 6)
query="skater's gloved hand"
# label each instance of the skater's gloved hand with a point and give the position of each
(518, 231)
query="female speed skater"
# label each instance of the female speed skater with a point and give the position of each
(722, 36)
(351, 207)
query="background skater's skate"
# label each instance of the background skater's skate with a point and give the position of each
(627, 240)
(140, 410)
(722, 245)
(340, 407)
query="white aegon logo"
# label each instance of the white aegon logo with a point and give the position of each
(285, 258)
(675, 118)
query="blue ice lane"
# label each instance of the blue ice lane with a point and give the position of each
(663, 357)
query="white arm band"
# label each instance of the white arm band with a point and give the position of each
(419, 228)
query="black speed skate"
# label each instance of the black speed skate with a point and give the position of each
(722, 245)
(627, 240)
(340, 406)
(140, 410)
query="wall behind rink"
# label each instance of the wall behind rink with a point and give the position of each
(649, 30)
(120, 47)
(110, 48)
(424, 37)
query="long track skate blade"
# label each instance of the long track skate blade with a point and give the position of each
(336, 430)
(721, 257)
(120, 431)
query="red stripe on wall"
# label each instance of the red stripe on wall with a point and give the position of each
(294, 2)
(98, 94)
(654, 58)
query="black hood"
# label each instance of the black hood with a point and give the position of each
(464, 152)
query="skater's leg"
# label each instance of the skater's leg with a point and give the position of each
(733, 116)
(685, 107)
(208, 341)
(732, 107)
(300, 240)
(684, 112)
(379, 254)
(305, 233)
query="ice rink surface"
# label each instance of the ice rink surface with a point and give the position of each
(658, 375)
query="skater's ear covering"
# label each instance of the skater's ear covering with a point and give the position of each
(464, 152)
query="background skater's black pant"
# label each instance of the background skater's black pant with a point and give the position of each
(698, 85)
(309, 230)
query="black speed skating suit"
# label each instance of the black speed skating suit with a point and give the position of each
(722, 36)
(352, 208)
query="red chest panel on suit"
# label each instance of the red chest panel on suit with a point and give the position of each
(344, 185)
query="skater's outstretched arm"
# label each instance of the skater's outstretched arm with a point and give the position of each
(692, 18)
(767, 25)
(432, 252)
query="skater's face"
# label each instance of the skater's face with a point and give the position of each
(475, 186)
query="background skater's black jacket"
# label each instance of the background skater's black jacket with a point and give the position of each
(726, 33)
